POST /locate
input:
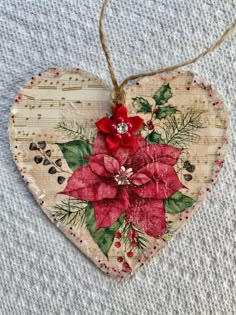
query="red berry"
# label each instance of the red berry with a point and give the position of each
(134, 244)
(150, 125)
(117, 244)
(155, 110)
(130, 254)
(119, 259)
(117, 235)
(126, 266)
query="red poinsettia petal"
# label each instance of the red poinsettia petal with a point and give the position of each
(120, 111)
(108, 211)
(113, 141)
(165, 154)
(135, 123)
(105, 125)
(97, 165)
(121, 154)
(128, 141)
(99, 145)
(139, 179)
(164, 181)
(147, 215)
(111, 164)
(86, 185)
(162, 153)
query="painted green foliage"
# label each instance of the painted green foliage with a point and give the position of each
(103, 237)
(163, 94)
(75, 153)
(161, 97)
(178, 202)
(163, 112)
(154, 137)
(142, 105)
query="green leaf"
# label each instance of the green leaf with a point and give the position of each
(75, 152)
(154, 137)
(178, 202)
(142, 105)
(163, 95)
(163, 112)
(103, 237)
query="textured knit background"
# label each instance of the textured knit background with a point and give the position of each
(41, 272)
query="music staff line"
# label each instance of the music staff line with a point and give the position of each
(66, 85)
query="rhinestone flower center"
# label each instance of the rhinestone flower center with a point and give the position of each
(122, 128)
(122, 178)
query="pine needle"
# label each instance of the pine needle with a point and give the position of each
(75, 131)
(71, 212)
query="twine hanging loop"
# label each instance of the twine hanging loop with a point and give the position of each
(118, 95)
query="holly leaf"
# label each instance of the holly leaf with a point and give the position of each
(103, 237)
(142, 105)
(178, 202)
(163, 112)
(154, 137)
(163, 94)
(75, 153)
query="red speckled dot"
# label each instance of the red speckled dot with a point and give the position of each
(117, 235)
(117, 244)
(130, 254)
(126, 265)
(119, 259)
(134, 244)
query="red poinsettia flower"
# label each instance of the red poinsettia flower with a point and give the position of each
(134, 182)
(119, 128)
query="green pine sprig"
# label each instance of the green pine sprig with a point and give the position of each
(142, 242)
(75, 131)
(182, 131)
(71, 212)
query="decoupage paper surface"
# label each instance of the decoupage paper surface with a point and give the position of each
(133, 201)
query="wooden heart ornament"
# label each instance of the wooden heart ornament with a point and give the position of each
(118, 183)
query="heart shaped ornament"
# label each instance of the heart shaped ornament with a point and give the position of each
(118, 184)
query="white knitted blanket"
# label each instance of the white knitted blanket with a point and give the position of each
(41, 272)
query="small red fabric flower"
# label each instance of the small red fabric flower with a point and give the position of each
(119, 128)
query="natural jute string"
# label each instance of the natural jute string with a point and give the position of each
(119, 89)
